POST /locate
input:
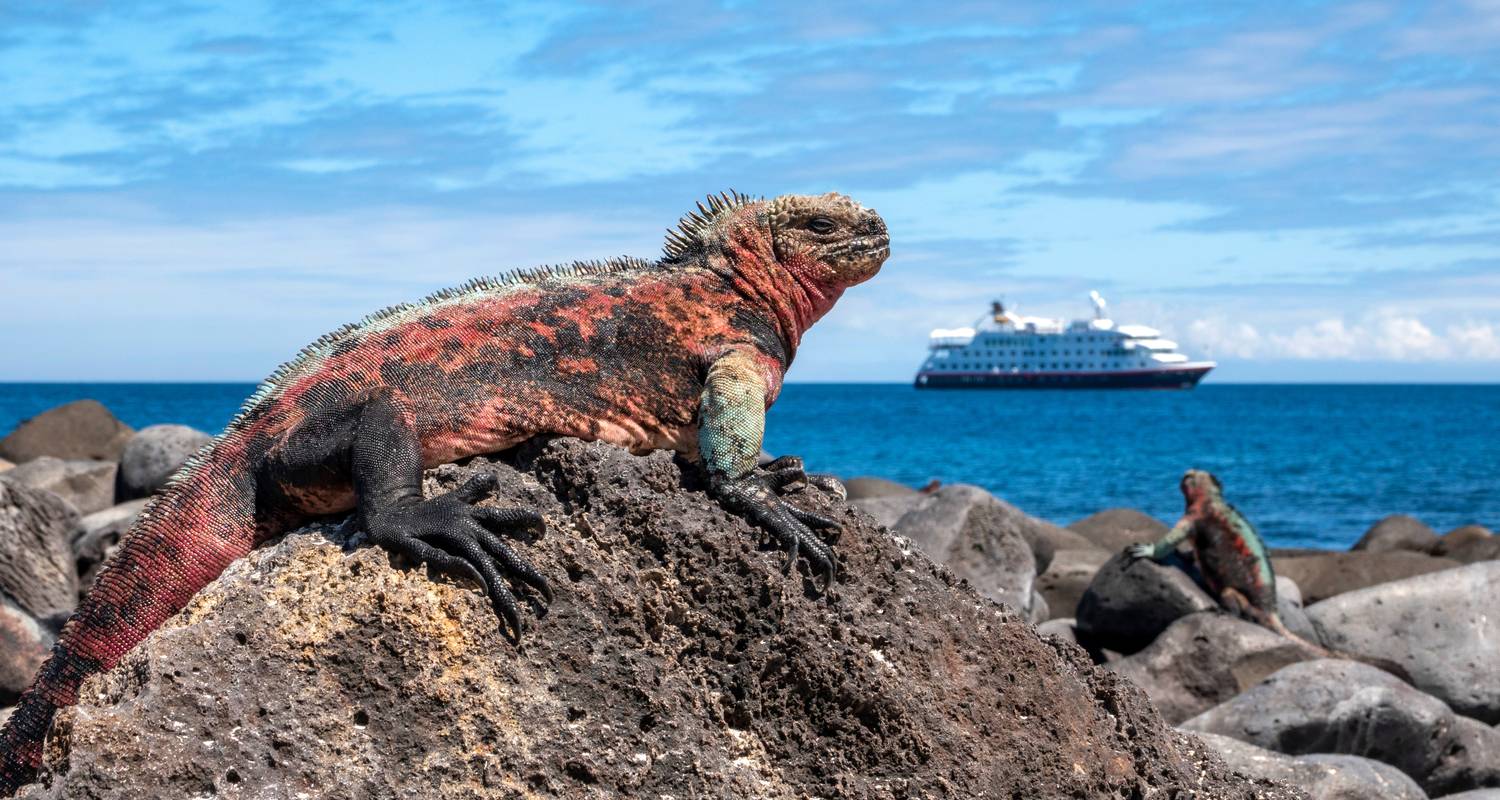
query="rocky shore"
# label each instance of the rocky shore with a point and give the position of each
(970, 650)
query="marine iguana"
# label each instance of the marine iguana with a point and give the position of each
(1234, 562)
(683, 353)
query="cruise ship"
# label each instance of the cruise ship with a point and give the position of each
(1005, 350)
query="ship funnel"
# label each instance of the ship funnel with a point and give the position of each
(1099, 304)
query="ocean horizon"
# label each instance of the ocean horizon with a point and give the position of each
(1312, 465)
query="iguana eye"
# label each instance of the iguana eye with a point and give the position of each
(820, 225)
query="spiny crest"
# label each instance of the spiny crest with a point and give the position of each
(687, 237)
(327, 341)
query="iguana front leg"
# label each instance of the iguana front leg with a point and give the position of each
(1166, 544)
(732, 422)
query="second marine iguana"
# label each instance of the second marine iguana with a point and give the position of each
(683, 353)
(1234, 562)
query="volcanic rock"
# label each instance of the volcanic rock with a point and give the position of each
(1460, 538)
(1441, 628)
(1325, 777)
(82, 429)
(1130, 602)
(36, 565)
(1115, 528)
(866, 487)
(1323, 576)
(154, 453)
(98, 535)
(1337, 706)
(24, 643)
(1203, 659)
(88, 485)
(1397, 532)
(677, 660)
(1067, 577)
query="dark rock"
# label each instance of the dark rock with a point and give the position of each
(1325, 777)
(1397, 532)
(1441, 628)
(36, 566)
(1066, 578)
(1324, 576)
(1131, 601)
(1115, 528)
(676, 660)
(24, 643)
(889, 510)
(82, 429)
(97, 536)
(1477, 550)
(1461, 537)
(153, 454)
(1061, 627)
(983, 539)
(1203, 659)
(1336, 706)
(88, 485)
(866, 487)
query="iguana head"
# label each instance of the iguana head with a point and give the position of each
(831, 238)
(794, 255)
(1199, 484)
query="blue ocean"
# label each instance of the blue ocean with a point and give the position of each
(1309, 465)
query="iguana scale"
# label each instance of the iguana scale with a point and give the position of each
(684, 353)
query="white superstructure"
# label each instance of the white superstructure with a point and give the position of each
(1006, 349)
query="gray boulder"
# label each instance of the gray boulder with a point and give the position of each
(1130, 602)
(83, 429)
(1397, 532)
(1475, 794)
(1068, 576)
(36, 565)
(153, 454)
(1324, 777)
(1114, 528)
(1477, 550)
(1203, 659)
(1060, 627)
(1442, 628)
(983, 540)
(1336, 706)
(866, 486)
(888, 509)
(98, 535)
(1460, 538)
(1328, 574)
(1289, 608)
(88, 485)
(24, 643)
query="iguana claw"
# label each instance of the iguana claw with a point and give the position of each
(452, 534)
(756, 497)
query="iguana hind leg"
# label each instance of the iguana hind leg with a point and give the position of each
(376, 439)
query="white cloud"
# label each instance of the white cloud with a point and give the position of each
(1381, 335)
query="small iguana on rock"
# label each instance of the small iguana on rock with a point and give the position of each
(683, 353)
(1234, 561)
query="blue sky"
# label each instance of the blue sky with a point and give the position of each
(1303, 191)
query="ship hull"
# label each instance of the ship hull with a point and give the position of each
(1178, 378)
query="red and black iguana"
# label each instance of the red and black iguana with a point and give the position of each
(684, 353)
(1234, 562)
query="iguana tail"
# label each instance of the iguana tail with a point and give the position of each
(1273, 621)
(180, 543)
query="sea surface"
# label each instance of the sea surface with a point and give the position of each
(1309, 465)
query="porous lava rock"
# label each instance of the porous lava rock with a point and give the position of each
(1130, 601)
(1115, 528)
(36, 564)
(82, 429)
(676, 660)
(88, 485)
(1203, 659)
(1325, 777)
(1328, 574)
(1397, 532)
(1338, 706)
(1442, 628)
(153, 454)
